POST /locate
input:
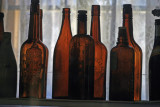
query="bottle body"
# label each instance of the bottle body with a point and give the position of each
(127, 22)
(46, 49)
(121, 74)
(100, 56)
(61, 58)
(122, 70)
(81, 69)
(154, 75)
(8, 68)
(33, 60)
(32, 70)
(81, 62)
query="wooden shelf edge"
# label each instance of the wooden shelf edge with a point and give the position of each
(77, 103)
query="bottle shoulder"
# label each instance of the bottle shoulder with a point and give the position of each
(122, 49)
(135, 46)
(28, 44)
(82, 37)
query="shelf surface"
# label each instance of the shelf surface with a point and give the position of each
(75, 103)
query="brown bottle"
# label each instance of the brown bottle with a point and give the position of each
(81, 62)
(127, 22)
(33, 59)
(122, 69)
(100, 56)
(8, 66)
(61, 58)
(46, 49)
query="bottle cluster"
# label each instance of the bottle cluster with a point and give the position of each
(79, 62)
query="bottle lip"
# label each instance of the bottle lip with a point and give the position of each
(157, 22)
(34, 1)
(127, 6)
(122, 32)
(66, 10)
(82, 12)
(82, 15)
(96, 10)
(1, 15)
(127, 9)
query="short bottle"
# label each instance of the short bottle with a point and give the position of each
(61, 58)
(100, 56)
(122, 69)
(127, 22)
(81, 62)
(33, 59)
(8, 66)
(154, 62)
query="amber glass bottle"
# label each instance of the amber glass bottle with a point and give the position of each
(154, 63)
(127, 22)
(33, 59)
(8, 66)
(100, 56)
(46, 49)
(122, 69)
(61, 58)
(81, 62)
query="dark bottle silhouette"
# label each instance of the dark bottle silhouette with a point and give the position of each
(33, 59)
(61, 58)
(8, 66)
(81, 62)
(127, 22)
(154, 62)
(122, 69)
(100, 56)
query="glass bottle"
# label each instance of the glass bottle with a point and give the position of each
(154, 62)
(81, 62)
(33, 59)
(127, 22)
(100, 56)
(61, 58)
(8, 66)
(122, 69)
(46, 49)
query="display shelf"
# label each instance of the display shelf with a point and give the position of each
(77, 103)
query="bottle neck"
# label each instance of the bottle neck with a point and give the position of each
(122, 37)
(1, 25)
(65, 22)
(82, 27)
(1, 29)
(34, 26)
(127, 22)
(41, 32)
(122, 41)
(157, 35)
(95, 28)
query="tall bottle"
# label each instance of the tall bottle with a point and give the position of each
(127, 22)
(154, 62)
(100, 55)
(81, 62)
(8, 66)
(122, 69)
(61, 58)
(46, 49)
(33, 59)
